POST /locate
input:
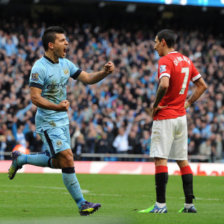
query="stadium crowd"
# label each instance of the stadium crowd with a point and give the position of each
(111, 116)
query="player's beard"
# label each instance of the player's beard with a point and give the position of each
(60, 53)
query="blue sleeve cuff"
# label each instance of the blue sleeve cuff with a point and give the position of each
(34, 84)
(75, 76)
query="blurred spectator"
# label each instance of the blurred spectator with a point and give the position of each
(34, 143)
(146, 140)
(10, 143)
(121, 140)
(134, 143)
(20, 137)
(79, 147)
(103, 144)
(205, 149)
(2, 146)
(91, 138)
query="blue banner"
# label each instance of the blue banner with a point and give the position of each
(213, 3)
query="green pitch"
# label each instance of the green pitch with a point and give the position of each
(42, 198)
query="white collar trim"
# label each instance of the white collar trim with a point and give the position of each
(173, 52)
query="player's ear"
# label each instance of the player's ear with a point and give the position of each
(163, 42)
(50, 45)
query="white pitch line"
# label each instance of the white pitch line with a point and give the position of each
(40, 187)
(84, 191)
(209, 199)
(32, 186)
(202, 199)
(33, 192)
(105, 195)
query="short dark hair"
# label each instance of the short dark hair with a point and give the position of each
(168, 35)
(50, 35)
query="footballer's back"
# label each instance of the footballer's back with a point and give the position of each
(180, 71)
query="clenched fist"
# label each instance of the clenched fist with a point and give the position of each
(63, 105)
(108, 67)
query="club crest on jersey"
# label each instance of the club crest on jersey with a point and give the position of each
(66, 71)
(35, 76)
(162, 68)
(59, 143)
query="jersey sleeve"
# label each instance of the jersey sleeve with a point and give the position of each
(164, 67)
(74, 70)
(37, 77)
(195, 74)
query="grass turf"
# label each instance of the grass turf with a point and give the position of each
(42, 198)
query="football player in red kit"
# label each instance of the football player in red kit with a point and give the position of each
(169, 130)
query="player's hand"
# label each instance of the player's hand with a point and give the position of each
(63, 105)
(108, 67)
(187, 104)
(153, 110)
(148, 111)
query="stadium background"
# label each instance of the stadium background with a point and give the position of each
(123, 32)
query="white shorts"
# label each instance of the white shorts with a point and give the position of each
(169, 139)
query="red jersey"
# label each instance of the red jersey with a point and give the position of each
(180, 71)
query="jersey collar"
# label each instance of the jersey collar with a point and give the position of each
(173, 52)
(50, 60)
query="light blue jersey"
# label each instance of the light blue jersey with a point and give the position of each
(52, 78)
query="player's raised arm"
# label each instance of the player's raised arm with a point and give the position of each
(94, 77)
(39, 101)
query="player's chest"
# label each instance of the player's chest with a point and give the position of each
(57, 75)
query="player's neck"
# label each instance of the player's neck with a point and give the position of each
(51, 56)
(168, 50)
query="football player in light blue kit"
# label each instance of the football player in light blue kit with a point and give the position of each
(48, 81)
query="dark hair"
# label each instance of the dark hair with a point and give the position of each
(49, 35)
(168, 35)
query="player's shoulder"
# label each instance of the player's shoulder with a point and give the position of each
(166, 59)
(39, 65)
(64, 61)
(40, 61)
(67, 64)
(187, 59)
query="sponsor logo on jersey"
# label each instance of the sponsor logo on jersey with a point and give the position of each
(56, 86)
(35, 76)
(66, 71)
(162, 68)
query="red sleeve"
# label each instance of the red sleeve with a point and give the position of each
(195, 74)
(164, 67)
